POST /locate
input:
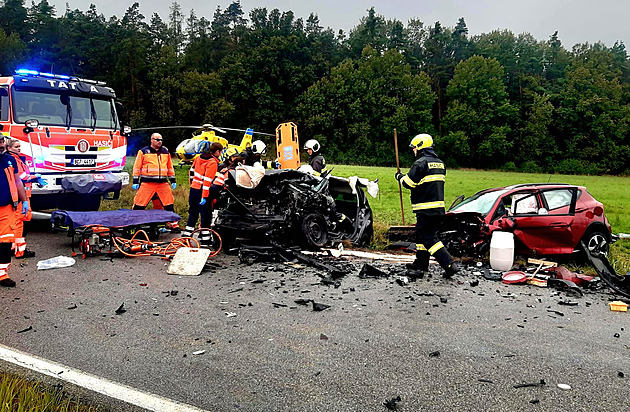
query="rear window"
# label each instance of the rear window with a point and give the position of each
(557, 198)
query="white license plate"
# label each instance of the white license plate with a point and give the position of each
(84, 162)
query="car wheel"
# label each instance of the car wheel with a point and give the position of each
(315, 230)
(596, 241)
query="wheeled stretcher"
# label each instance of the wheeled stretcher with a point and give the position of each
(96, 230)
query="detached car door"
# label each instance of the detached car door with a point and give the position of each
(543, 220)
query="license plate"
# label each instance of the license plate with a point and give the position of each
(84, 162)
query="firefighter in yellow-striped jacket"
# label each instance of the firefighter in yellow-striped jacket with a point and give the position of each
(426, 180)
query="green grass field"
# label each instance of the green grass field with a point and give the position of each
(612, 191)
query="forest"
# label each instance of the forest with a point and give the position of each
(496, 100)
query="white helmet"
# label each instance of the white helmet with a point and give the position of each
(259, 147)
(313, 145)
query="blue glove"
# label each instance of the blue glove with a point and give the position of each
(41, 182)
(203, 201)
(173, 186)
(276, 164)
(399, 176)
(135, 186)
(25, 207)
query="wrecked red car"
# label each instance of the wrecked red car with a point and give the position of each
(546, 219)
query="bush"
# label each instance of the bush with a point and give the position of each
(531, 166)
(577, 167)
(509, 167)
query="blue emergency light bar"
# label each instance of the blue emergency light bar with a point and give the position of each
(28, 72)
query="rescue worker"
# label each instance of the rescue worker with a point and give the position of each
(220, 180)
(152, 173)
(202, 171)
(426, 180)
(11, 194)
(253, 153)
(316, 160)
(13, 148)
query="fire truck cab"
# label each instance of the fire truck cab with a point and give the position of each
(70, 134)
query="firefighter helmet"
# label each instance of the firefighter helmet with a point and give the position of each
(421, 141)
(313, 145)
(259, 147)
(230, 151)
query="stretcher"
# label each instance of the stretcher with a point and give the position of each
(97, 231)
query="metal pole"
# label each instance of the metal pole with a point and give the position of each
(402, 211)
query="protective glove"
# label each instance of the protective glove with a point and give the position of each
(41, 182)
(24, 207)
(203, 202)
(173, 186)
(276, 164)
(135, 186)
(399, 176)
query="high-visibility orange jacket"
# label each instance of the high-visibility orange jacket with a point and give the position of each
(203, 171)
(24, 172)
(153, 166)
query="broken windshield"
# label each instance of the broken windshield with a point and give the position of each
(63, 110)
(479, 202)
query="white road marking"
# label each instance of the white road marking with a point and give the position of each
(94, 383)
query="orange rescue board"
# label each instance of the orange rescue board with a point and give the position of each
(288, 146)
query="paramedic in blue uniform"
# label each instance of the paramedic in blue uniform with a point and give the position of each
(426, 180)
(12, 197)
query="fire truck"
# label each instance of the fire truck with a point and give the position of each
(70, 133)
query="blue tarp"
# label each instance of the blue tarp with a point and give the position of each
(113, 218)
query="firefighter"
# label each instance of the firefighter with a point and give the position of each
(13, 148)
(202, 172)
(426, 180)
(253, 153)
(11, 194)
(152, 173)
(316, 160)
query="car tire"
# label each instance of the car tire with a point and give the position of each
(315, 231)
(597, 240)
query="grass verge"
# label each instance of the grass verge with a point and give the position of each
(18, 394)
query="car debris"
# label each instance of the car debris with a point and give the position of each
(618, 306)
(391, 403)
(620, 284)
(530, 385)
(293, 207)
(121, 309)
(369, 271)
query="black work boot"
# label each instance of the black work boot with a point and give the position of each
(451, 270)
(7, 282)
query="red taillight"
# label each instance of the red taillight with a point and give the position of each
(590, 214)
(598, 210)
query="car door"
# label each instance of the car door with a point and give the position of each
(543, 219)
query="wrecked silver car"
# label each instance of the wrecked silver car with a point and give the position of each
(291, 207)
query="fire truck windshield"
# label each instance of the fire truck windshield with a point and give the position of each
(64, 110)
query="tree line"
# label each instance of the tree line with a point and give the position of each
(494, 100)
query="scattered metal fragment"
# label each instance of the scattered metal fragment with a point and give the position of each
(485, 380)
(121, 309)
(25, 330)
(557, 312)
(235, 290)
(230, 314)
(323, 337)
(74, 306)
(434, 354)
(568, 303)
(570, 288)
(279, 305)
(620, 284)
(318, 307)
(303, 301)
(474, 283)
(391, 403)
(369, 271)
(529, 385)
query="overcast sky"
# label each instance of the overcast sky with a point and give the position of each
(577, 21)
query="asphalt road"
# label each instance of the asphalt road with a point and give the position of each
(441, 345)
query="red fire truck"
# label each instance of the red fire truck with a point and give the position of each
(70, 134)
